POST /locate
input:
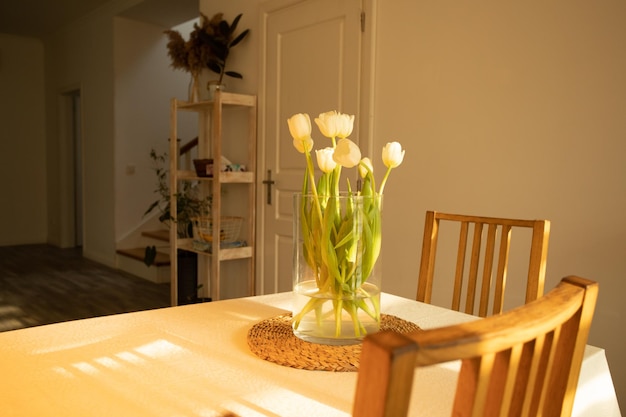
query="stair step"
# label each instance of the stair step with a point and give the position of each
(162, 234)
(162, 259)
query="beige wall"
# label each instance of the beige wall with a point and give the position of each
(505, 109)
(22, 141)
(514, 109)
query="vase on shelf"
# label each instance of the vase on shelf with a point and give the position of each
(336, 270)
(194, 89)
(214, 86)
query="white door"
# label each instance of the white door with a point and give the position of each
(312, 54)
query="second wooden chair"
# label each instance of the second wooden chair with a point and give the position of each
(524, 362)
(482, 254)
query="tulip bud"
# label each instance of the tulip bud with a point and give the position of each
(365, 166)
(325, 159)
(304, 145)
(300, 126)
(347, 153)
(393, 154)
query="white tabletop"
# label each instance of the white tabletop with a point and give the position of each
(194, 361)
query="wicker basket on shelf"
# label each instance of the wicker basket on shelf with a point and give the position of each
(229, 228)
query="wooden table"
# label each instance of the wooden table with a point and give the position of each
(194, 361)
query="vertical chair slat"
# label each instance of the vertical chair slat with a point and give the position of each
(541, 358)
(515, 358)
(503, 263)
(569, 354)
(467, 386)
(537, 263)
(499, 383)
(481, 398)
(427, 263)
(460, 265)
(473, 272)
(485, 286)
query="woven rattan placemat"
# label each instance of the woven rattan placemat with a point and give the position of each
(273, 340)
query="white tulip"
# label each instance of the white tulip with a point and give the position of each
(364, 166)
(393, 154)
(334, 124)
(304, 145)
(300, 130)
(347, 153)
(325, 159)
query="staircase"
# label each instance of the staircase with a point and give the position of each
(131, 260)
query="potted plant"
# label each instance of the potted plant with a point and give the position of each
(220, 36)
(189, 204)
(208, 46)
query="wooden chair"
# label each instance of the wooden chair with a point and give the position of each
(524, 362)
(495, 226)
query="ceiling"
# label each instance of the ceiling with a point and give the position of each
(36, 18)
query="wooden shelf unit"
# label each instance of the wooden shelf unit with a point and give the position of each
(210, 114)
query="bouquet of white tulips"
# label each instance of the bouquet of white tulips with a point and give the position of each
(339, 241)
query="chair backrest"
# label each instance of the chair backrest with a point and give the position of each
(524, 362)
(473, 282)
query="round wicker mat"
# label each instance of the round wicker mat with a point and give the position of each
(273, 340)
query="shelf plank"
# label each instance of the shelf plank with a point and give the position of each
(228, 99)
(235, 177)
(226, 254)
(236, 253)
(225, 176)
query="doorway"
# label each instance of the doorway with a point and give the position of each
(77, 168)
(71, 169)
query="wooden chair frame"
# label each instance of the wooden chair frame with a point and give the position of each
(524, 362)
(536, 267)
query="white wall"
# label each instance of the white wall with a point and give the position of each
(513, 109)
(120, 66)
(22, 141)
(82, 55)
(142, 115)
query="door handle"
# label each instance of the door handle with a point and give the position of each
(269, 182)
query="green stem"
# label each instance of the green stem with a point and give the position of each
(382, 184)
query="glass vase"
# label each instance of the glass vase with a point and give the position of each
(194, 89)
(336, 278)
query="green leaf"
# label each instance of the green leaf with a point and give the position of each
(213, 66)
(152, 207)
(239, 38)
(233, 74)
(329, 255)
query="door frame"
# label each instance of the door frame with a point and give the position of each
(71, 197)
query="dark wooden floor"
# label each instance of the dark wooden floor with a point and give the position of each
(41, 284)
